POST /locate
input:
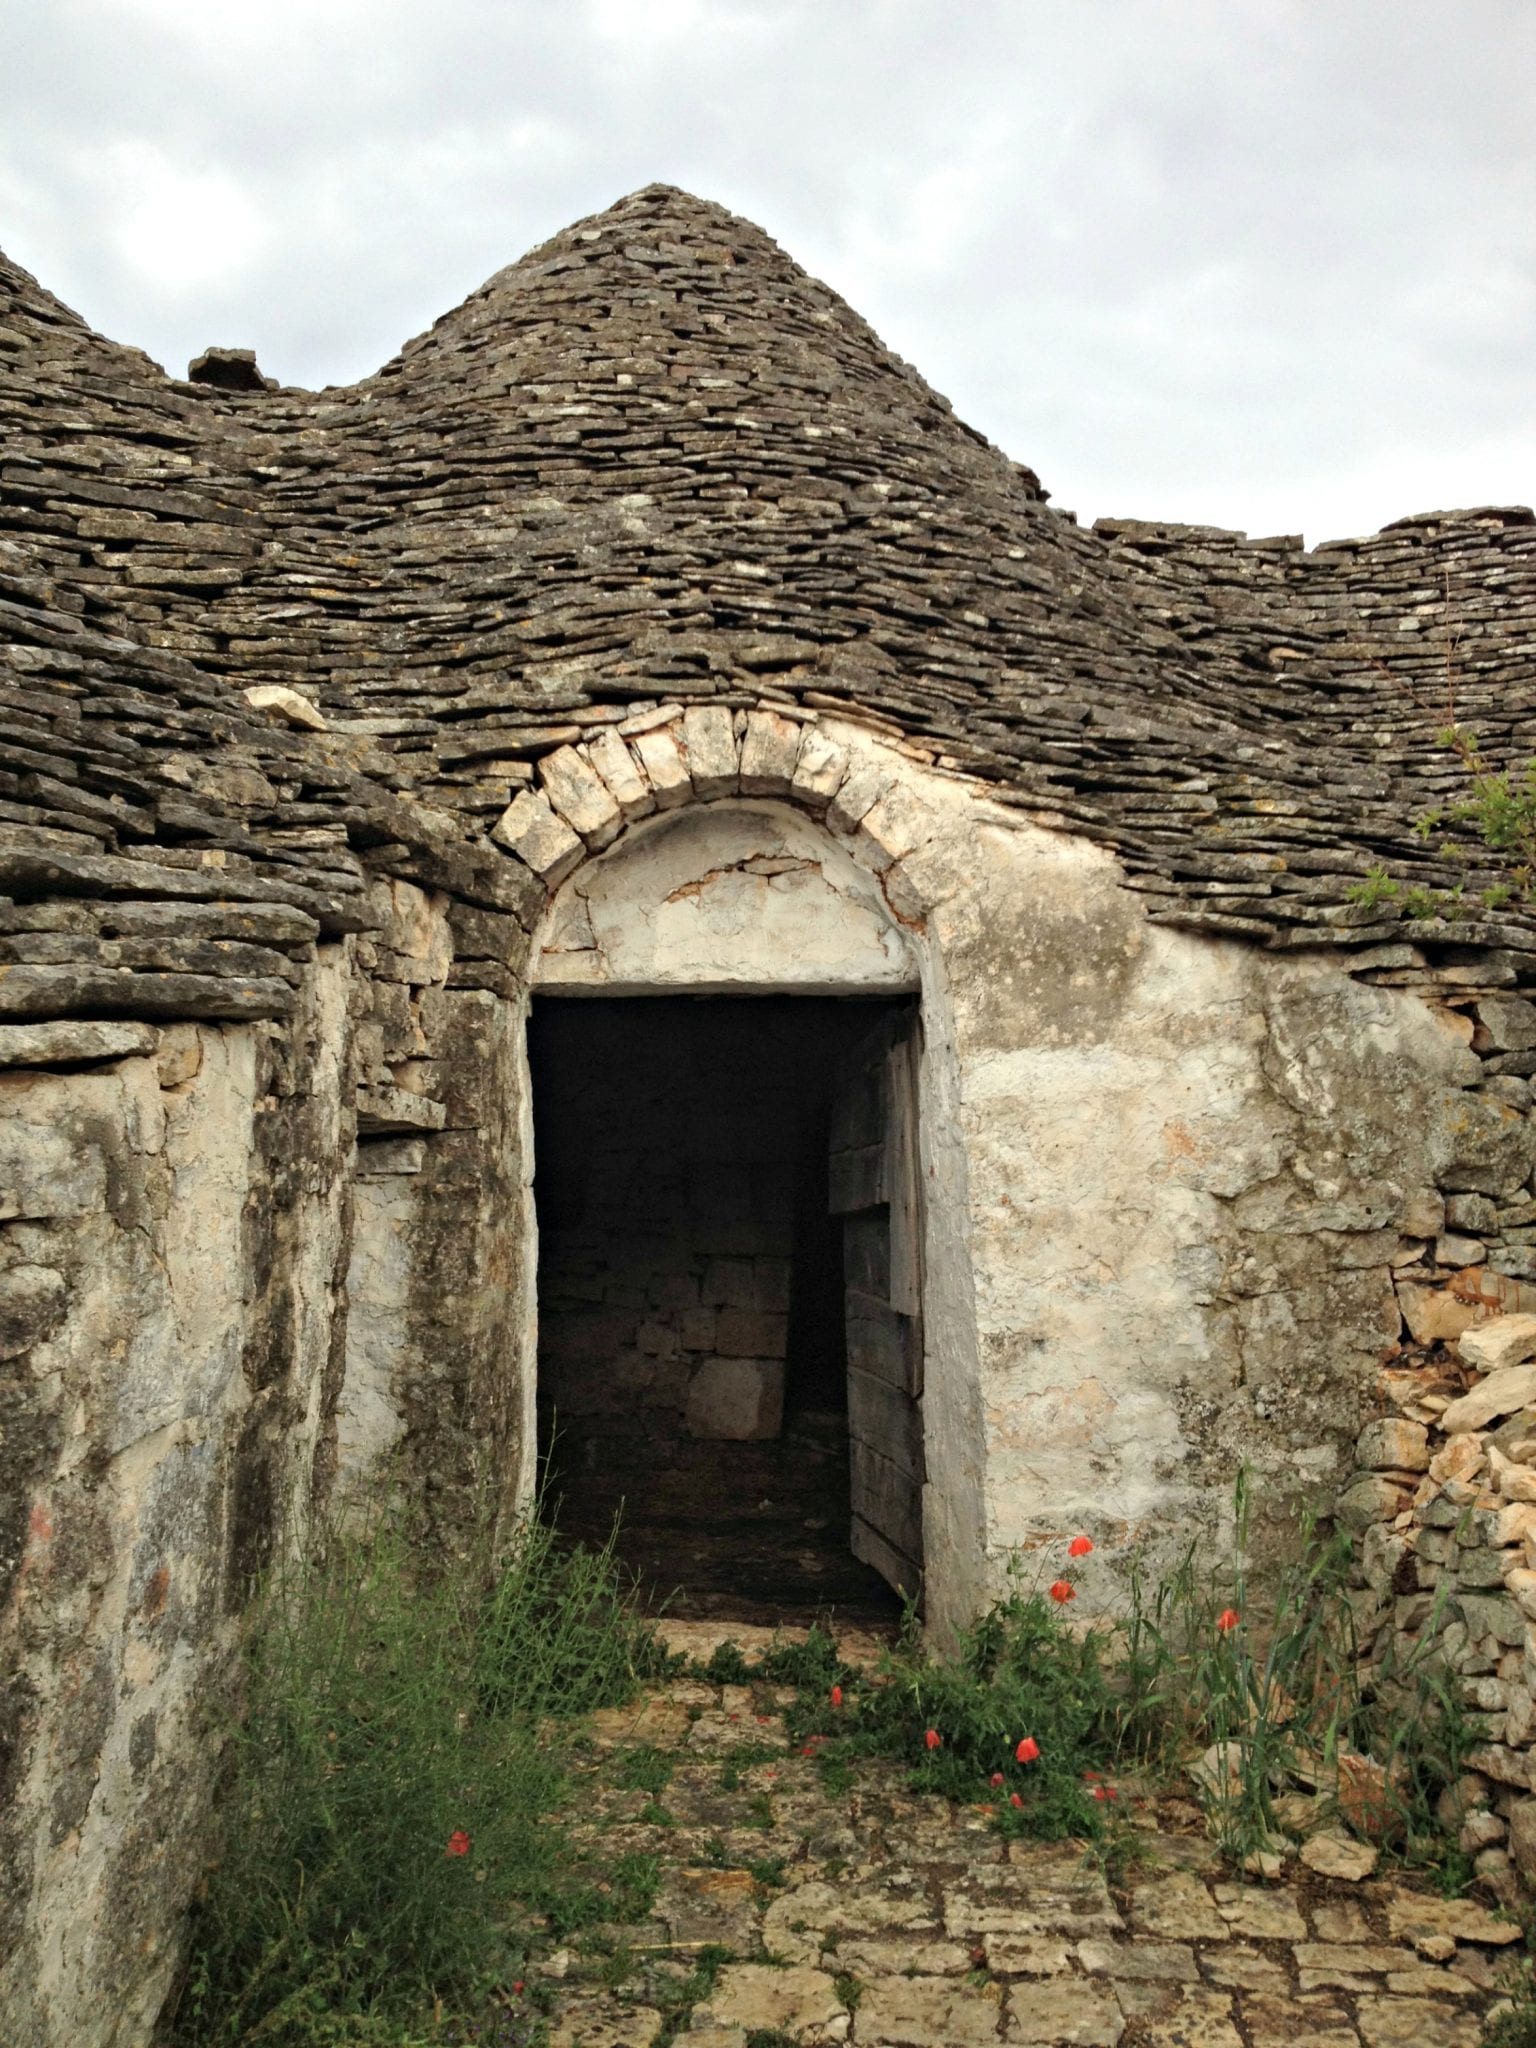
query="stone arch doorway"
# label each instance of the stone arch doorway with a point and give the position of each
(728, 1065)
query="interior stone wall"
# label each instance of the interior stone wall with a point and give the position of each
(681, 1168)
(668, 1230)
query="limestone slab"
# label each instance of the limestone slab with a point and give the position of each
(1260, 1914)
(820, 766)
(73, 1041)
(1332, 1854)
(1416, 2023)
(1170, 1961)
(291, 706)
(1502, 1341)
(540, 839)
(1051, 1894)
(1273, 2022)
(769, 751)
(604, 2021)
(581, 797)
(1179, 1907)
(798, 2000)
(630, 787)
(1410, 1914)
(1501, 1393)
(935, 2012)
(714, 760)
(1179, 2016)
(665, 766)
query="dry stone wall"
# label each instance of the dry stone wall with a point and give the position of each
(1445, 1509)
(308, 704)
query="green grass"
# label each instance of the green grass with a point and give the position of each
(645, 1770)
(697, 1986)
(385, 1821)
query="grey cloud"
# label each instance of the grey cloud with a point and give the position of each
(1255, 261)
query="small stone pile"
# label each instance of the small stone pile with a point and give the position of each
(1444, 1506)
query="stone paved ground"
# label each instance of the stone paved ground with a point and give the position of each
(875, 1917)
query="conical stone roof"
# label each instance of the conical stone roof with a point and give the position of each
(654, 459)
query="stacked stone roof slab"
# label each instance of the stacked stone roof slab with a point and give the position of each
(655, 462)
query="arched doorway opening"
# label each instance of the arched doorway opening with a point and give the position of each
(725, 1053)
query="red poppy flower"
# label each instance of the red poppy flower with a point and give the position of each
(517, 1988)
(1079, 1547)
(996, 1778)
(1105, 1792)
(933, 1738)
(1027, 1750)
(1014, 1799)
(837, 1695)
(458, 1844)
(1228, 1619)
(1061, 1592)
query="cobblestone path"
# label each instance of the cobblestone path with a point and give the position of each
(890, 1920)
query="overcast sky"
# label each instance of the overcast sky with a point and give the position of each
(1265, 263)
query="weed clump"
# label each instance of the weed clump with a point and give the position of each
(389, 1780)
(1050, 1724)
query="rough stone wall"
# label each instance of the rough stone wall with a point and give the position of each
(1193, 1174)
(176, 1208)
(185, 1211)
(440, 1286)
(1444, 1511)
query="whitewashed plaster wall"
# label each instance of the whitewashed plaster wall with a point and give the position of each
(723, 899)
(1166, 1175)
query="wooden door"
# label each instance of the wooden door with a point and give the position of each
(875, 1186)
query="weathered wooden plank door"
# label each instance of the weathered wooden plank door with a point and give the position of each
(875, 1186)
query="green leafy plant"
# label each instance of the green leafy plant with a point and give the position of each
(726, 1665)
(1019, 1717)
(1042, 1720)
(808, 1664)
(384, 1824)
(1377, 888)
(850, 1989)
(1420, 901)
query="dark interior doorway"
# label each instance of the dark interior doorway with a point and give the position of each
(693, 1347)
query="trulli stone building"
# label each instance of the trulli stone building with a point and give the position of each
(920, 939)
